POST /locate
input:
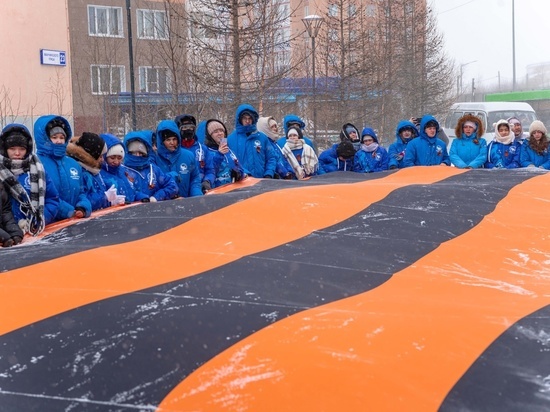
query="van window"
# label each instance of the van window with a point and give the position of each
(526, 118)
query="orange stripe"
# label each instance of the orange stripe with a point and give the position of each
(42, 290)
(403, 345)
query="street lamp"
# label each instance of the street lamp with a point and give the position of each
(459, 85)
(513, 45)
(313, 24)
(131, 57)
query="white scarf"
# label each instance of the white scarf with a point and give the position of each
(309, 158)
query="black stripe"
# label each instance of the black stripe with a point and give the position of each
(133, 349)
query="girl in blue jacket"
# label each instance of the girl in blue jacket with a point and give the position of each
(34, 198)
(52, 134)
(404, 133)
(469, 149)
(371, 157)
(503, 151)
(534, 151)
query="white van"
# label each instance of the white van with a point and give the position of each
(489, 113)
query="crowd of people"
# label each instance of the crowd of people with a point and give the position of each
(56, 176)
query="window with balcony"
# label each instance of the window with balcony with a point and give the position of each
(105, 21)
(152, 24)
(154, 80)
(108, 79)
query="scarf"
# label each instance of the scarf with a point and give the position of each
(370, 147)
(504, 140)
(309, 158)
(32, 207)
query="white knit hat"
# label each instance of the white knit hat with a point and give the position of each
(537, 125)
(116, 150)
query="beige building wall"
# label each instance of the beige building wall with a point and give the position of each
(29, 89)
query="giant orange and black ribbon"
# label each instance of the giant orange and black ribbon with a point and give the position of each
(422, 289)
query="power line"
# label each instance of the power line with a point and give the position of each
(457, 7)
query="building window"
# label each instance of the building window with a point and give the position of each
(108, 79)
(154, 80)
(152, 24)
(332, 10)
(105, 21)
(370, 10)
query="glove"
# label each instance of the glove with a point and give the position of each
(288, 176)
(393, 167)
(119, 200)
(24, 225)
(17, 240)
(145, 200)
(8, 243)
(205, 186)
(267, 177)
(152, 199)
(236, 175)
(110, 194)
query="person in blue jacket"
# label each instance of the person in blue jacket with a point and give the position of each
(427, 149)
(178, 162)
(115, 173)
(88, 150)
(51, 135)
(251, 147)
(226, 165)
(469, 149)
(34, 198)
(371, 157)
(269, 127)
(534, 151)
(300, 155)
(150, 182)
(337, 159)
(503, 151)
(292, 120)
(187, 126)
(329, 157)
(404, 133)
(201, 131)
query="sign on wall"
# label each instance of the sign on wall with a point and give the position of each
(53, 57)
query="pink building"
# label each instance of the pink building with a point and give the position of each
(35, 74)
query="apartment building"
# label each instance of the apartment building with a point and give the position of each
(35, 76)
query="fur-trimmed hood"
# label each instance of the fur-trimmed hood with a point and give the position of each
(82, 156)
(469, 118)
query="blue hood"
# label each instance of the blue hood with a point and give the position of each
(405, 123)
(138, 162)
(173, 127)
(292, 118)
(367, 131)
(255, 116)
(21, 128)
(44, 145)
(425, 119)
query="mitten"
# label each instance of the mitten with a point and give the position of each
(110, 194)
(205, 186)
(24, 225)
(17, 240)
(236, 175)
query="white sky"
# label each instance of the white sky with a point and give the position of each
(481, 31)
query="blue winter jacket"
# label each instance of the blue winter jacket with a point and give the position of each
(468, 151)
(147, 178)
(292, 118)
(529, 157)
(398, 148)
(283, 168)
(500, 155)
(118, 175)
(368, 162)
(181, 164)
(224, 164)
(64, 171)
(51, 200)
(252, 147)
(424, 150)
(330, 162)
(201, 131)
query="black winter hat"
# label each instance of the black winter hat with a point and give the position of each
(185, 119)
(16, 139)
(345, 150)
(93, 144)
(165, 134)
